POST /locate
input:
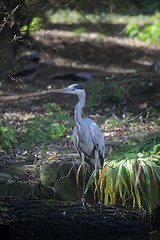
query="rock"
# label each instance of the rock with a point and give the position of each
(60, 176)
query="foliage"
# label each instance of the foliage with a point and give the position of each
(39, 130)
(137, 81)
(43, 129)
(132, 123)
(8, 136)
(131, 176)
(132, 29)
(149, 32)
(33, 26)
(114, 121)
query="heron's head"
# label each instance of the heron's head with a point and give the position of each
(75, 89)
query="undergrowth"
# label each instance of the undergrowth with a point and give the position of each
(41, 129)
(8, 136)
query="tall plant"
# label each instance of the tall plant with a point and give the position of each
(133, 182)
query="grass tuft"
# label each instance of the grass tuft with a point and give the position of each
(131, 176)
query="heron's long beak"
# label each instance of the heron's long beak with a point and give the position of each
(61, 90)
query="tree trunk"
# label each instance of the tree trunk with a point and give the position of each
(24, 218)
(9, 35)
(6, 47)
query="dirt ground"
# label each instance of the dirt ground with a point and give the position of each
(105, 57)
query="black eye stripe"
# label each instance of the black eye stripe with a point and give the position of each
(77, 86)
(74, 87)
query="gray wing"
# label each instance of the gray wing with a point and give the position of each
(83, 142)
(76, 138)
(77, 141)
(98, 141)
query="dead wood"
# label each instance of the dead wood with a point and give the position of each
(43, 217)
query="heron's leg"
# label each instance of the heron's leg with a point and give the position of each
(96, 171)
(77, 179)
(84, 175)
(97, 177)
(83, 180)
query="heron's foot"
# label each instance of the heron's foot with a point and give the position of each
(85, 204)
(100, 203)
(83, 201)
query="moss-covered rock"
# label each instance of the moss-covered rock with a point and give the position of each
(57, 179)
(64, 178)
(60, 176)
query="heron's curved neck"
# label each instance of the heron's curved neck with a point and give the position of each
(78, 108)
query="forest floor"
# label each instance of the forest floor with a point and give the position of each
(117, 64)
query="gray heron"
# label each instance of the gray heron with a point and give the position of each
(88, 139)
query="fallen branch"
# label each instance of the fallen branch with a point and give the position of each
(43, 217)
